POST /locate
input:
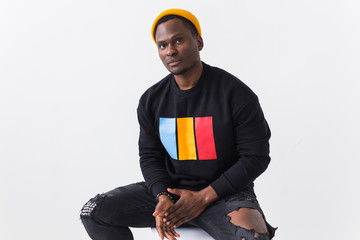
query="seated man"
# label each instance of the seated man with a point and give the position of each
(203, 141)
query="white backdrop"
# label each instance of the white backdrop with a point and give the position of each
(71, 74)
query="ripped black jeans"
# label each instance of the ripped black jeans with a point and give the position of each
(108, 216)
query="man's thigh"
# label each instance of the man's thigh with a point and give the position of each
(238, 216)
(131, 205)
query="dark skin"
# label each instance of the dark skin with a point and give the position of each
(163, 229)
(191, 204)
(179, 50)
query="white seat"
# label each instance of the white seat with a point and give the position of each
(187, 233)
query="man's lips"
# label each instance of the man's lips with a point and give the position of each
(172, 63)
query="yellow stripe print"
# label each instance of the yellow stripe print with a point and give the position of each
(186, 139)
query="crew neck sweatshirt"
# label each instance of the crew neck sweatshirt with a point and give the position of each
(212, 134)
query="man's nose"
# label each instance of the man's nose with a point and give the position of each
(171, 50)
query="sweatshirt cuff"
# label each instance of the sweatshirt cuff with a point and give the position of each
(222, 187)
(158, 187)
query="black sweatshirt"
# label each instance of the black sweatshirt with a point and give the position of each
(212, 134)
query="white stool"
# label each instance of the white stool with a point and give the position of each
(187, 233)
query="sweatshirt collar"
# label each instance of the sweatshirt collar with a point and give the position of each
(194, 89)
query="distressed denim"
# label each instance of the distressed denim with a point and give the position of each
(108, 216)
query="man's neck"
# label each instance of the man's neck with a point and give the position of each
(190, 78)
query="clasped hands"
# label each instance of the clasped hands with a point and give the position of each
(191, 204)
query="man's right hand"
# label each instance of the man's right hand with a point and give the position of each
(163, 229)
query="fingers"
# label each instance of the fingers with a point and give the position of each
(168, 236)
(156, 213)
(170, 232)
(176, 222)
(159, 229)
(176, 211)
(173, 209)
(177, 214)
(175, 191)
(160, 209)
(165, 230)
(173, 232)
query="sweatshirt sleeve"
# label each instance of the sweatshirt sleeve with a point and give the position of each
(252, 136)
(152, 155)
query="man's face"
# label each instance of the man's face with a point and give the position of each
(178, 48)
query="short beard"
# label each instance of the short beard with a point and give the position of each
(180, 72)
(183, 71)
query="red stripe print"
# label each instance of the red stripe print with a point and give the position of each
(205, 138)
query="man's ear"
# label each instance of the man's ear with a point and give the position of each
(200, 42)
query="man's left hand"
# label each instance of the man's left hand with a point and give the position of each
(190, 205)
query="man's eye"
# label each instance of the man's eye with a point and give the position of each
(179, 40)
(161, 46)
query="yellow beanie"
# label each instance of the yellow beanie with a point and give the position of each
(179, 12)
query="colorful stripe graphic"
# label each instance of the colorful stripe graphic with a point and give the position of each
(205, 138)
(188, 138)
(167, 128)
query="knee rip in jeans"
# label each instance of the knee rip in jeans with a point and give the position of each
(88, 208)
(252, 228)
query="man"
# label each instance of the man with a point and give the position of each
(203, 141)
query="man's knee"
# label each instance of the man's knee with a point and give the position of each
(90, 206)
(250, 220)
